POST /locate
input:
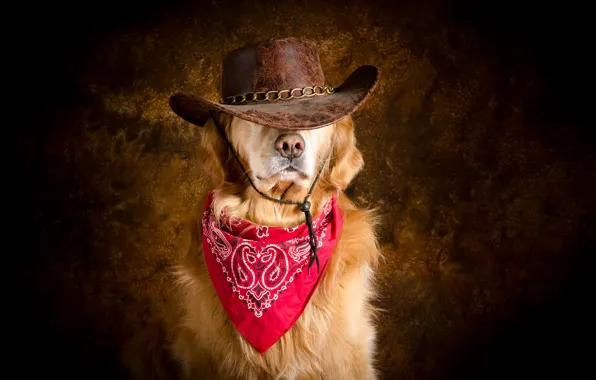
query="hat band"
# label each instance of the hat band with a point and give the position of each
(267, 96)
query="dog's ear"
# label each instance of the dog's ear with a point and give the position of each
(346, 159)
(215, 151)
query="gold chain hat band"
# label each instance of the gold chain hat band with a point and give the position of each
(267, 96)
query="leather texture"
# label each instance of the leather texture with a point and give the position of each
(280, 64)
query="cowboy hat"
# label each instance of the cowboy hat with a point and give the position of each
(279, 83)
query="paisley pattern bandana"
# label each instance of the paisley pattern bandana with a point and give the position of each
(259, 272)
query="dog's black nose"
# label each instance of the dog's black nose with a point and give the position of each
(290, 145)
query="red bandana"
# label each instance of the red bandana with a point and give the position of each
(260, 273)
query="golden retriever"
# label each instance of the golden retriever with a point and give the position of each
(334, 338)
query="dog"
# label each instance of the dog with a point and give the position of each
(334, 338)
(248, 300)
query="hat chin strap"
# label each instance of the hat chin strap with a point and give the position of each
(304, 206)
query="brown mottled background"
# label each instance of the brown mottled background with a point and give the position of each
(479, 148)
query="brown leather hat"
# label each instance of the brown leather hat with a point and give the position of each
(279, 83)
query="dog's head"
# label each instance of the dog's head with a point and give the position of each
(277, 158)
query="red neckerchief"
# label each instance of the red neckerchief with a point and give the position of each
(260, 273)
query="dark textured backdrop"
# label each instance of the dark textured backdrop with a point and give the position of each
(479, 153)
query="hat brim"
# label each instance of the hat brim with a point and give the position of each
(305, 113)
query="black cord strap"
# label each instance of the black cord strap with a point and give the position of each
(304, 206)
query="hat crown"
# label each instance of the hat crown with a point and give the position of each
(272, 65)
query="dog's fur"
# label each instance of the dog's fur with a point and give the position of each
(334, 337)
